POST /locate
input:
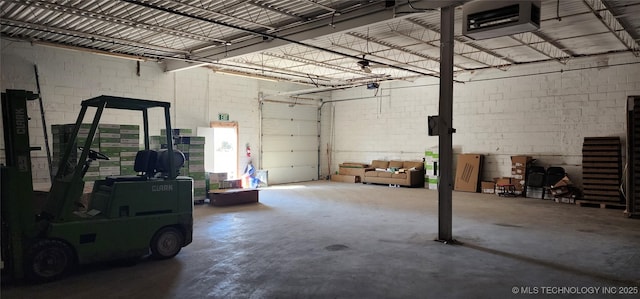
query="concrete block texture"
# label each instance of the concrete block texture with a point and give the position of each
(68, 77)
(542, 110)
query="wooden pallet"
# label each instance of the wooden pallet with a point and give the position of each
(600, 204)
(602, 168)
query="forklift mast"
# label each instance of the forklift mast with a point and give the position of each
(18, 212)
(67, 186)
(126, 216)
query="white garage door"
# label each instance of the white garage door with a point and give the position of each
(290, 142)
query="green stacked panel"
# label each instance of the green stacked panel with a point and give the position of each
(156, 142)
(118, 142)
(177, 132)
(193, 149)
(214, 180)
(127, 159)
(432, 172)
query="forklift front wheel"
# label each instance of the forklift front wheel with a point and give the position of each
(48, 260)
(166, 243)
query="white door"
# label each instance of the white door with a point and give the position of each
(290, 142)
(220, 147)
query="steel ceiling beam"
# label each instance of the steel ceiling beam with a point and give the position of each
(615, 27)
(491, 55)
(542, 46)
(67, 9)
(313, 62)
(405, 64)
(108, 39)
(459, 53)
(316, 4)
(271, 67)
(397, 48)
(367, 14)
(272, 8)
(206, 11)
(310, 30)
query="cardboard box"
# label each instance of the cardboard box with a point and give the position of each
(431, 182)
(502, 181)
(488, 187)
(559, 191)
(345, 178)
(565, 181)
(518, 170)
(352, 169)
(520, 161)
(431, 160)
(468, 172)
(508, 181)
(569, 200)
(216, 177)
(518, 183)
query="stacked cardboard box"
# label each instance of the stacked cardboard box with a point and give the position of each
(488, 187)
(563, 191)
(129, 146)
(118, 142)
(193, 149)
(519, 172)
(505, 186)
(215, 179)
(61, 135)
(431, 159)
(350, 172)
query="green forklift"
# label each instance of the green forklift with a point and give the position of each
(123, 218)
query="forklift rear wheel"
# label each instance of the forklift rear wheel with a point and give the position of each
(49, 260)
(166, 243)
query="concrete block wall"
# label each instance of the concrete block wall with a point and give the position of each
(543, 110)
(390, 124)
(67, 77)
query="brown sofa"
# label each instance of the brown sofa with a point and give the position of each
(403, 173)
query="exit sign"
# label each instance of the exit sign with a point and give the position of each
(223, 116)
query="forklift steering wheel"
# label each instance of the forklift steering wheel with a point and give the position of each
(93, 155)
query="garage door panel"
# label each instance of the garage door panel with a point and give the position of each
(277, 110)
(282, 175)
(289, 159)
(288, 143)
(288, 127)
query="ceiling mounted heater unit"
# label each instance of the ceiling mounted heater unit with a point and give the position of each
(483, 19)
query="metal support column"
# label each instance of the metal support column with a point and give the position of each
(445, 130)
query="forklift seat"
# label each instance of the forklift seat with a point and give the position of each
(145, 164)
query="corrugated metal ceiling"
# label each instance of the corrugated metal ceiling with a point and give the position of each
(402, 47)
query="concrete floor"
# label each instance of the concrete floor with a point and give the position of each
(339, 240)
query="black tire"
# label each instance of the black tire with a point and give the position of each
(48, 260)
(166, 243)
